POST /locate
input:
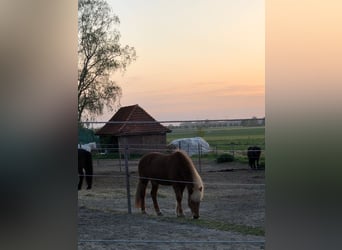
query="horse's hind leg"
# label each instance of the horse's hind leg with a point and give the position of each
(250, 162)
(89, 175)
(257, 161)
(154, 191)
(80, 181)
(140, 195)
(253, 164)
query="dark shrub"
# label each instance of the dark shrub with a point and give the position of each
(225, 158)
(262, 165)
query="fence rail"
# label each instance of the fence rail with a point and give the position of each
(128, 175)
(123, 155)
(173, 121)
(179, 241)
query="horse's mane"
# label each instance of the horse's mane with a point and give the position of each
(198, 186)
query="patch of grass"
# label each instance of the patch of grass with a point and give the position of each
(223, 226)
(218, 225)
(161, 195)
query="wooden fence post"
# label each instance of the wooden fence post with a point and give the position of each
(127, 182)
(199, 157)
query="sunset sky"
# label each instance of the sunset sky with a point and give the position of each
(197, 59)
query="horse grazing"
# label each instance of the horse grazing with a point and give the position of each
(85, 162)
(253, 154)
(176, 170)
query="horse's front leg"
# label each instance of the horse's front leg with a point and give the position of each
(179, 189)
(154, 191)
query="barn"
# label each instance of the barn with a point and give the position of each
(126, 128)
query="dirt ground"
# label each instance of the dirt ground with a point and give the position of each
(234, 195)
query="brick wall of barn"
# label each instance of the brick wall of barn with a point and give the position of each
(142, 144)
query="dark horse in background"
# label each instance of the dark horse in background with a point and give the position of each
(253, 154)
(85, 166)
(176, 170)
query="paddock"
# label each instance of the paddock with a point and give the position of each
(232, 211)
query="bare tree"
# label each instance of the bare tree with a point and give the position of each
(99, 55)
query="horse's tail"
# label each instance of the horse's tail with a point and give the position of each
(139, 194)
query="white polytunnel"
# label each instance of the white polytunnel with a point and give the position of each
(193, 146)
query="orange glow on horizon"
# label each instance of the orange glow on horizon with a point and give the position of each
(193, 63)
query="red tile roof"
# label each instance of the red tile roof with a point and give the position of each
(129, 114)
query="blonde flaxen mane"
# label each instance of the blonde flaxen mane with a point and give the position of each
(198, 188)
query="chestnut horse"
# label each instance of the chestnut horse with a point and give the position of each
(176, 170)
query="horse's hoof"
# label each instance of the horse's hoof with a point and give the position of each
(160, 214)
(88, 188)
(143, 212)
(195, 217)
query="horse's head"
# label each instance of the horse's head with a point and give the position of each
(195, 197)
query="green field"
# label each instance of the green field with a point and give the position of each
(225, 140)
(222, 140)
(238, 138)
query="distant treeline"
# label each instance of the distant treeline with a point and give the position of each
(253, 122)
